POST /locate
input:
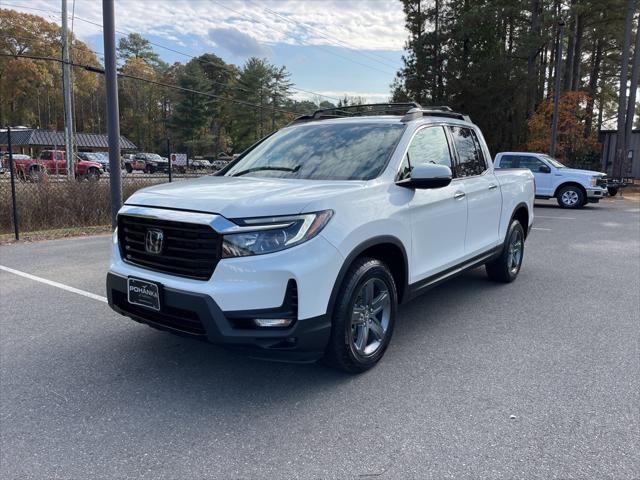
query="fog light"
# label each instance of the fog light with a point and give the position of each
(272, 322)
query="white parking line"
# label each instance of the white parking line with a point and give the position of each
(54, 284)
(556, 218)
(539, 228)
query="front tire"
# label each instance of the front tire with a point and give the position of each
(506, 267)
(363, 318)
(571, 197)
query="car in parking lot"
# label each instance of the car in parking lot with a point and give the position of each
(573, 188)
(54, 162)
(304, 247)
(147, 163)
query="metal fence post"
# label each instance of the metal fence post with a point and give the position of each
(169, 157)
(13, 185)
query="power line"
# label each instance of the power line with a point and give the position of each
(306, 43)
(384, 61)
(204, 62)
(100, 70)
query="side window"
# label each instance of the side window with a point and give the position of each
(429, 145)
(470, 158)
(508, 161)
(531, 162)
(58, 155)
(45, 156)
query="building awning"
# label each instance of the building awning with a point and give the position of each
(53, 138)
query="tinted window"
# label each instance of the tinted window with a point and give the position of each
(532, 163)
(323, 152)
(45, 155)
(508, 161)
(470, 158)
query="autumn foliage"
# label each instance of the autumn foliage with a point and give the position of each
(572, 147)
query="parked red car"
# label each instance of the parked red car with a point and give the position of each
(54, 162)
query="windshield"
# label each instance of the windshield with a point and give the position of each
(153, 156)
(323, 152)
(553, 161)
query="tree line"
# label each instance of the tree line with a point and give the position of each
(217, 107)
(496, 61)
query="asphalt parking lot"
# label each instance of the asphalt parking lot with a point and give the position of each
(535, 379)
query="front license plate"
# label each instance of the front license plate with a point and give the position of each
(143, 293)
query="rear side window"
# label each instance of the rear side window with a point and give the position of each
(508, 161)
(470, 158)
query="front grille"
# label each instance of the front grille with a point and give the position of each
(601, 182)
(189, 249)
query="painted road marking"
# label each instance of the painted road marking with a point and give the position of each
(538, 228)
(54, 284)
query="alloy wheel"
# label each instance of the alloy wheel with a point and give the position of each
(370, 317)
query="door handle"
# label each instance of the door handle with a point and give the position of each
(493, 186)
(459, 195)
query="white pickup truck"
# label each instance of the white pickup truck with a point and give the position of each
(571, 187)
(304, 246)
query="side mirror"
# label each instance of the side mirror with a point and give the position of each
(429, 175)
(544, 169)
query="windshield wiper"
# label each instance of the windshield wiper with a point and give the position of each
(261, 169)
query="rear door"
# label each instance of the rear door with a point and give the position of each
(438, 216)
(482, 191)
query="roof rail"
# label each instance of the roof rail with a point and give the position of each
(416, 113)
(359, 111)
(408, 110)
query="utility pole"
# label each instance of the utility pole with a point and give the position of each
(66, 93)
(618, 160)
(113, 113)
(556, 93)
(631, 104)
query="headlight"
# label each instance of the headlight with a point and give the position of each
(258, 236)
(594, 181)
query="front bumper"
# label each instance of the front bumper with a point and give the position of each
(198, 316)
(594, 194)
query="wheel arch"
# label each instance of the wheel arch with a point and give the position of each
(521, 213)
(387, 249)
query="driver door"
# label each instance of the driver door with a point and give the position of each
(438, 216)
(541, 171)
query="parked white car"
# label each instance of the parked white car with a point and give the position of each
(306, 245)
(571, 187)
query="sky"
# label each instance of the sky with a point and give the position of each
(331, 47)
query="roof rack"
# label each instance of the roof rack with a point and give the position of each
(408, 110)
(447, 112)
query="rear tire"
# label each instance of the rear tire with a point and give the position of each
(506, 267)
(571, 197)
(363, 317)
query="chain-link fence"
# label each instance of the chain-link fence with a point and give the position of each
(51, 204)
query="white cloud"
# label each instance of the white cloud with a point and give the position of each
(358, 24)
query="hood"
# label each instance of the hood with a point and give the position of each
(237, 197)
(577, 171)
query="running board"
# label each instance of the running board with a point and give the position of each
(425, 284)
